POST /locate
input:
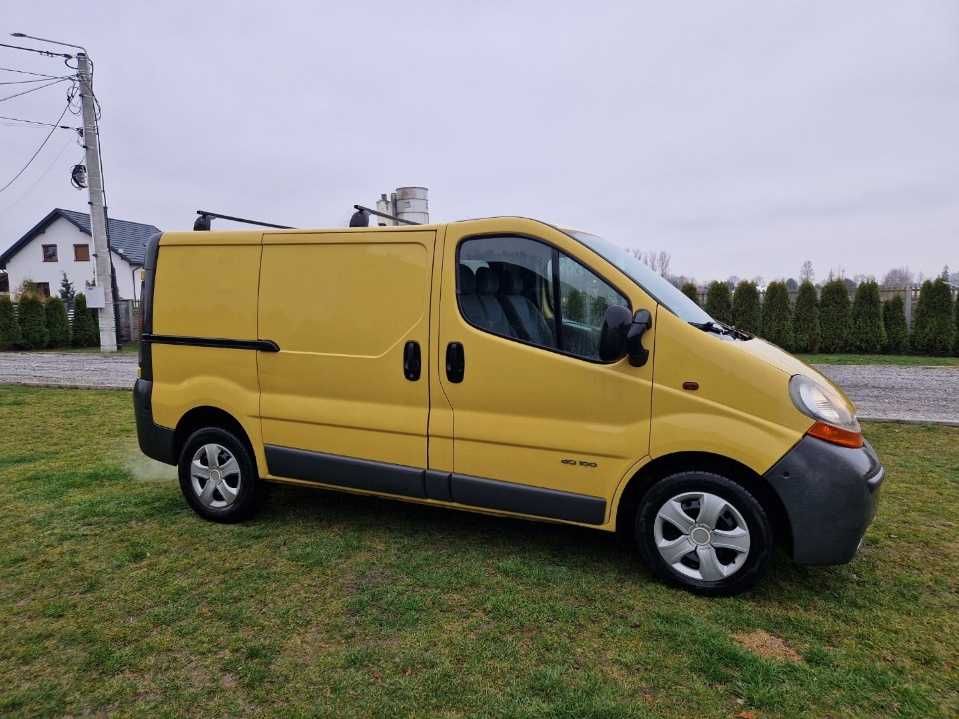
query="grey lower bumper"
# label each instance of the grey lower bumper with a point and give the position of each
(155, 441)
(830, 494)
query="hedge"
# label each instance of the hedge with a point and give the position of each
(777, 319)
(85, 329)
(33, 324)
(894, 323)
(834, 316)
(10, 336)
(806, 332)
(58, 327)
(689, 289)
(933, 325)
(747, 312)
(719, 303)
(866, 333)
(956, 341)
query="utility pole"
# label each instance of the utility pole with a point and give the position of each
(98, 214)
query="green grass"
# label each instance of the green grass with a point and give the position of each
(905, 360)
(117, 600)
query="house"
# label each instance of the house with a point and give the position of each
(61, 243)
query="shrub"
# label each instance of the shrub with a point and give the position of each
(833, 316)
(85, 329)
(777, 320)
(10, 337)
(33, 324)
(690, 290)
(747, 312)
(806, 319)
(719, 303)
(58, 327)
(866, 333)
(894, 322)
(933, 327)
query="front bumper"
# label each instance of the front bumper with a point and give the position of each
(830, 494)
(155, 441)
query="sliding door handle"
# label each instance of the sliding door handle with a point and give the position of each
(455, 362)
(411, 361)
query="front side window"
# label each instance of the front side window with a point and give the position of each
(81, 253)
(527, 290)
(49, 253)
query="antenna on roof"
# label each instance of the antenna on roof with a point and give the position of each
(205, 219)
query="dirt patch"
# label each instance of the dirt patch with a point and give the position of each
(767, 646)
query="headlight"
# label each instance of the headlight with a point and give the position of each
(821, 403)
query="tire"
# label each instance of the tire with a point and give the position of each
(235, 494)
(729, 549)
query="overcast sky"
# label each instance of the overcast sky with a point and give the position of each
(743, 138)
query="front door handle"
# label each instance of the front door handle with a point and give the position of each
(455, 362)
(411, 361)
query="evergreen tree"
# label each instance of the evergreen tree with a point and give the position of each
(33, 324)
(58, 327)
(933, 328)
(689, 289)
(956, 340)
(10, 337)
(894, 322)
(777, 319)
(806, 319)
(575, 306)
(719, 303)
(867, 334)
(85, 330)
(747, 312)
(834, 316)
(67, 293)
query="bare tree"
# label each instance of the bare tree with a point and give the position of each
(897, 278)
(657, 261)
(806, 273)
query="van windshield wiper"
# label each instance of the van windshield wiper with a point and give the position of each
(721, 328)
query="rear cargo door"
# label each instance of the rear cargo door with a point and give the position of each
(345, 400)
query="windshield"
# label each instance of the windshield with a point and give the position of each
(661, 289)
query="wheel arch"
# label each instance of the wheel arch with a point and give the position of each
(661, 467)
(207, 416)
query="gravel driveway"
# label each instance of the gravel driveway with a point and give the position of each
(880, 392)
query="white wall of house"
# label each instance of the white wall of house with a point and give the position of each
(28, 264)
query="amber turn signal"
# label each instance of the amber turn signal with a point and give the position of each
(836, 435)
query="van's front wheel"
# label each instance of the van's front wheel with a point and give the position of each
(218, 476)
(705, 533)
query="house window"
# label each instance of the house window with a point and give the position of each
(49, 253)
(44, 287)
(81, 253)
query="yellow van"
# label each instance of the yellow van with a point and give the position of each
(502, 366)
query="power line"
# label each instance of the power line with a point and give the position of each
(40, 52)
(34, 89)
(42, 124)
(33, 157)
(27, 72)
(28, 82)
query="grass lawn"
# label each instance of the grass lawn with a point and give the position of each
(118, 600)
(880, 359)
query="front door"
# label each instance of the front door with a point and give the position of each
(541, 425)
(345, 400)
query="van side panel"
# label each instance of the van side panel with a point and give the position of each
(206, 288)
(342, 306)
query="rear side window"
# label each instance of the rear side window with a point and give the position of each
(529, 291)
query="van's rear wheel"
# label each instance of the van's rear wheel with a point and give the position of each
(705, 533)
(218, 475)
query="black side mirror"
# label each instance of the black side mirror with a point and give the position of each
(638, 355)
(622, 335)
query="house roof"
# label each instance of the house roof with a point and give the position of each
(128, 239)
